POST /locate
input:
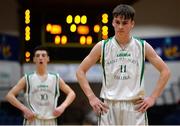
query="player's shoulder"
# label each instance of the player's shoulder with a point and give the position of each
(138, 39)
(54, 74)
(29, 73)
(107, 40)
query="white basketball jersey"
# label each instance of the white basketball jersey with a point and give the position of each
(123, 70)
(41, 96)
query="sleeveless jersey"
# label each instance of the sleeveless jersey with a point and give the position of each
(123, 70)
(41, 96)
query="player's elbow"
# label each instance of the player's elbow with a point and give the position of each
(79, 73)
(167, 73)
(73, 95)
(8, 96)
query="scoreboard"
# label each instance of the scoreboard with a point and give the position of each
(69, 33)
(75, 28)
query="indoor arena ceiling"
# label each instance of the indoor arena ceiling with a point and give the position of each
(43, 4)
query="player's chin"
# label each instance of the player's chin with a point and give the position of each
(120, 33)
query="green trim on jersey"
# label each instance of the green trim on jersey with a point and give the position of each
(28, 89)
(146, 119)
(142, 69)
(57, 93)
(103, 55)
(143, 60)
(24, 121)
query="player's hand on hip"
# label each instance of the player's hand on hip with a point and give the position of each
(29, 115)
(58, 111)
(98, 106)
(146, 103)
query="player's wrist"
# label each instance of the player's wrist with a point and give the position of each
(23, 109)
(91, 96)
(153, 97)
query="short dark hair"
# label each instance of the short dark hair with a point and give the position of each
(124, 10)
(40, 47)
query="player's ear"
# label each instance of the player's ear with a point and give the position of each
(133, 23)
(48, 58)
(34, 59)
(112, 23)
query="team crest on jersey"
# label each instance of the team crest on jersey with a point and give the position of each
(124, 54)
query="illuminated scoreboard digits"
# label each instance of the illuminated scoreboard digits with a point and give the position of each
(68, 34)
(75, 30)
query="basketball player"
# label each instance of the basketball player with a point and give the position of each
(41, 93)
(123, 58)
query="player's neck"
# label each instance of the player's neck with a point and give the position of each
(41, 71)
(42, 75)
(123, 40)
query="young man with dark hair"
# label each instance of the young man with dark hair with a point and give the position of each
(123, 58)
(42, 90)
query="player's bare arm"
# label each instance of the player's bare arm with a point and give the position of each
(160, 65)
(95, 54)
(11, 97)
(70, 96)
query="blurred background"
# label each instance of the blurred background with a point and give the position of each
(70, 29)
